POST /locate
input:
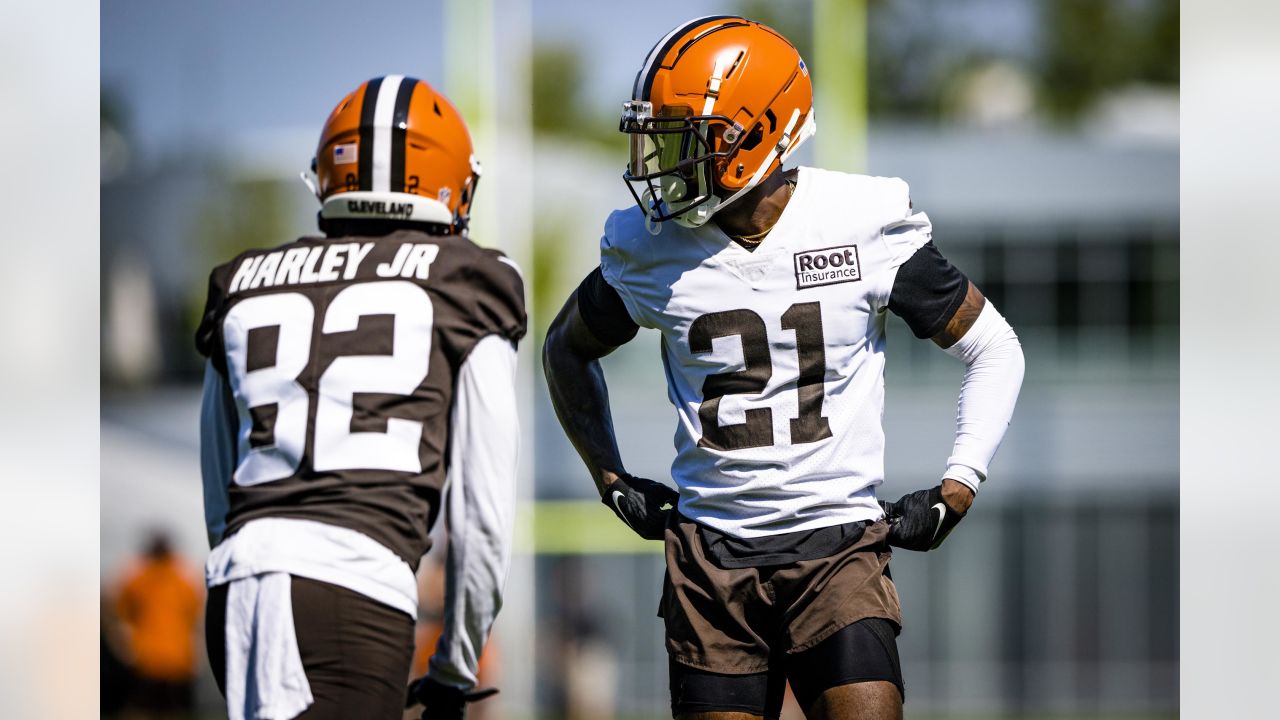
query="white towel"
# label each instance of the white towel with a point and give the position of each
(264, 675)
(318, 551)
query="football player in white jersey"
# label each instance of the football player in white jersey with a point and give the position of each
(770, 289)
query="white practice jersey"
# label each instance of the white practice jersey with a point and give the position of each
(774, 358)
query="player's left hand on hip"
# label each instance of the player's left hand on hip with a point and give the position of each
(920, 520)
(443, 702)
(641, 504)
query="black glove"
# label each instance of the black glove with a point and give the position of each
(920, 520)
(639, 503)
(442, 702)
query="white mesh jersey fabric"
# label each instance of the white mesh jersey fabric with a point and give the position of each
(764, 329)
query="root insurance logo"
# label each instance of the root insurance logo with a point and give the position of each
(827, 266)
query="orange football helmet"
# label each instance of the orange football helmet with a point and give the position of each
(395, 149)
(719, 103)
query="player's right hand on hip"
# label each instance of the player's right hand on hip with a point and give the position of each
(642, 504)
(443, 702)
(920, 520)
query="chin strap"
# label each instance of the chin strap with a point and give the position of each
(804, 132)
(786, 144)
(654, 227)
(699, 215)
(311, 181)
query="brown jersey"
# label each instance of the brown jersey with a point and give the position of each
(340, 356)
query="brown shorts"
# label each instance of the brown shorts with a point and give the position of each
(355, 651)
(729, 620)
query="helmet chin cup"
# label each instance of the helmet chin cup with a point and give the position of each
(674, 187)
(698, 215)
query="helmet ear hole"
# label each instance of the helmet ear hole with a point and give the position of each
(753, 138)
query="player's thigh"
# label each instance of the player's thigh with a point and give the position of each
(703, 695)
(872, 700)
(854, 673)
(719, 622)
(823, 595)
(356, 652)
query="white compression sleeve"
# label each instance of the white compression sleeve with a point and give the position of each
(993, 376)
(479, 507)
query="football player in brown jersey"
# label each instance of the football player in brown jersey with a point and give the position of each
(357, 385)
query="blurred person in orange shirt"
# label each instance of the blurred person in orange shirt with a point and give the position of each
(159, 608)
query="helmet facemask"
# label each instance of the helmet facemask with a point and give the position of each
(673, 159)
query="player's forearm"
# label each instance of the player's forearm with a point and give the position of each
(218, 429)
(994, 368)
(479, 507)
(581, 401)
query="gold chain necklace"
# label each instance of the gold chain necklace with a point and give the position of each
(757, 238)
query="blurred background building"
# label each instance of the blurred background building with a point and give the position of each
(1040, 136)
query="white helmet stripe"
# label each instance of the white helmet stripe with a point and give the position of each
(713, 83)
(383, 113)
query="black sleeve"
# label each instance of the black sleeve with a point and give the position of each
(501, 298)
(927, 291)
(602, 310)
(209, 334)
